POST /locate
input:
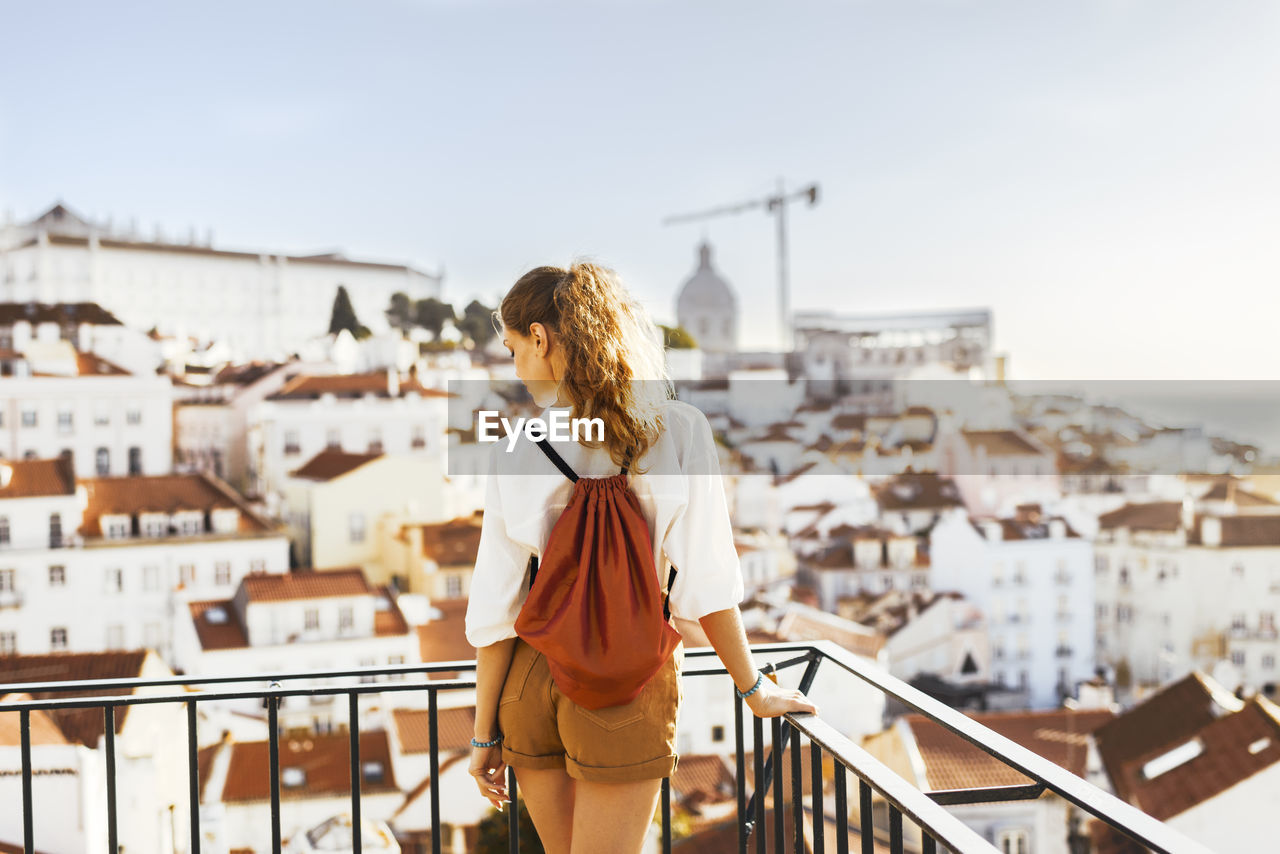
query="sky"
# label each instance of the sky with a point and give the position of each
(1102, 175)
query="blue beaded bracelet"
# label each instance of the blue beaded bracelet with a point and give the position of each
(754, 688)
(475, 743)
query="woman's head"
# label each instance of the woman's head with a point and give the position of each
(579, 339)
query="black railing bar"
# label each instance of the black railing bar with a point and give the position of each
(816, 806)
(1113, 811)
(109, 734)
(842, 811)
(28, 811)
(353, 749)
(740, 762)
(898, 792)
(987, 794)
(273, 771)
(895, 831)
(866, 817)
(666, 815)
(797, 794)
(193, 770)
(779, 798)
(433, 744)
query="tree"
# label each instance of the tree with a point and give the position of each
(477, 323)
(677, 338)
(431, 314)
(344, 314)
(400, 314)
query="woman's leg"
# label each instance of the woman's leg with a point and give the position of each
(549, 795)
(613, 817)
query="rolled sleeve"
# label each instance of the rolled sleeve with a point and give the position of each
(497, 583)
(699, 542)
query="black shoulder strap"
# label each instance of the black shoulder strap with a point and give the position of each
(555, 457)
(666, 602)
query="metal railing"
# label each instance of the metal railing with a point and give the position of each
(938, 829)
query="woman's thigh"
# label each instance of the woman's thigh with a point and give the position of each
(613, 817)
(549, 794)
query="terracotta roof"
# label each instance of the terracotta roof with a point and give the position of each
(445, 639)
(452, 543)
(330, 464)
(306, 584)
(915, 491)
(1024, 529)
(43, 728)
(92, 365)
(245, 374)
(849, 421)
(1229, 490)
(799, 624)
(62, 313)
(225, 632)
(1232, 749)
(168, 493)
(1060, 735)
(1238, 531)
(455, 728)
(38, 478)
(388, 619)
(81, 726)
(324, 759)
(704, 778)
(1171, 716)
(350, 386)
(1149, 516)
(1000, 442)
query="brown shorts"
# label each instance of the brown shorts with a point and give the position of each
(542, 728)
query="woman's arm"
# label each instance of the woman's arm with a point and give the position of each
(728, 638)
(492, 663)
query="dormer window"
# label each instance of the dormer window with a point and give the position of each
(116, 527)
(225, 521)
(154, 524)
(189, 523)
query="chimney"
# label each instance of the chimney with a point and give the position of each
(1057, 529)
(994, 530)
(1211, 531)
(6, 474)
(1188, 517)
(393, 382)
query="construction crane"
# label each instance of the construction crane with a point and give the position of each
(777, 205)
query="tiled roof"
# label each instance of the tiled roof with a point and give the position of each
(330, 464)
(388, 619)
(226, 632)
(306, 584)
(43, 728)
(914, 491)
(1168, 718)
(455, 727)
(246, 374)
(1238, 531)
(349, 385)
(1229, 490)
(324, 759)
(445, 639)
(704, 778)
(849, 421)
(168, 493)
(1232, 749)
(1000, 442)
(92, 365)
(61, 313)
(452, 543)
(950, 762)
(1149, 516)
(80, 726)
(38, 478)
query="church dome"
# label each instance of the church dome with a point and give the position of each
(705, 289)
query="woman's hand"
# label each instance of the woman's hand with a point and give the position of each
(490, 773)
(771, 700)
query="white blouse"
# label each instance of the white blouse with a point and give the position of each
(682, 497)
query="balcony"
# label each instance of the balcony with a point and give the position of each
(907, 808)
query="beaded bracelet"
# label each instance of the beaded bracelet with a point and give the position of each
(475, 743)
(754, 688)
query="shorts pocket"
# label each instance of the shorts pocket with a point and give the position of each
(518, 675)
(611, 718)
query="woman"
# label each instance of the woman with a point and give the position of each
(591, 779)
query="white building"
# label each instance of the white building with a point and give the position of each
(1190, 584)
(56, 400)
(865, 560)
(1033, 578)
(87, 326)
(103, 564)
(707, 308)
(261, 304)
(371, 413)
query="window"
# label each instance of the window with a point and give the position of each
(257, 565)
(151, 578)
(115, 636)
(1237, 621)
(1267, 623)
(115, 580)
(453, 587)
(135, 461)
(368, 677)
(1269, 661)
(154, 524)
(28, 418)
(346, 619)
(419, 438)
(375, 441)
(292, 443)
(1024, 680)
(997, 574)
(222, 573)
(355, 527)
(1020, 573)
(101, 417)
(1102, 610)
(102, 462)
(333, 439)
(57, 576)
(1013, 842)
(311, 619)
(8, 643)
(4, 530)
(55, 530)
(187, 574)
(58, 639)
(1237, 657)
(133, 417)
(8, 580)
(717, 733)
(65, 424)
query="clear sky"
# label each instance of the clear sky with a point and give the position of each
(1104, 175)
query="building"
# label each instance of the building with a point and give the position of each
(865, 559)
(57, 400)
(104, 563)
(262, 305)
(932, 758)
(995, 469)
(707, 308)
(1032, 575)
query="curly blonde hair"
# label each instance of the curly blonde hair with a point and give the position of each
(615, 364)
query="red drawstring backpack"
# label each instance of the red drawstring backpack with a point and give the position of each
(595, 616)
